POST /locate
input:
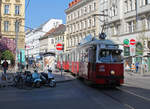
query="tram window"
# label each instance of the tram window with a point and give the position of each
(86, 55)
(110, 55)
(116, 56)
(105, 56)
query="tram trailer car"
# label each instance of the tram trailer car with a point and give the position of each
(65, 62)
(58, 62)
(98, 61)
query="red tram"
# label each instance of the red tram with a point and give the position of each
(98, 61)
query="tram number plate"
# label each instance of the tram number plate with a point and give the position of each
(102, 68)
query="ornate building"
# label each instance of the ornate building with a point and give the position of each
(12, 16)
(80, 21)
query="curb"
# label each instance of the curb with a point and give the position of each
(63, 81)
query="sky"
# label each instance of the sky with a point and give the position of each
(39, 11)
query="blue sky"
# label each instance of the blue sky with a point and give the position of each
(40, 11)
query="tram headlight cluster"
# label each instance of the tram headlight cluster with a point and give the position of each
(112, 72)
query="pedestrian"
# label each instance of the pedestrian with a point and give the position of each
(137, 66)
(133, 67)
(145, 67)
(5, 66)
(27, 66)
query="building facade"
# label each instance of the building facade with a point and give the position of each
(59, 36)
(80, 21)
(33, 36)
(49, 41)
(129, 20)
(12, 20)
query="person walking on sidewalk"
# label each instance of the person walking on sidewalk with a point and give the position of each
(5, 66)
(133, 67)
(137, 66)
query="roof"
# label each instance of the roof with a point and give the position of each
(55, 31)
(60, 29)
(47, 34)
(50, 32)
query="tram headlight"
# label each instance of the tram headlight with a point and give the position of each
(112, 72)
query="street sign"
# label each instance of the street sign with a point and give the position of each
(59, 46)
(132, 42)
(126, 41)
(132, 50)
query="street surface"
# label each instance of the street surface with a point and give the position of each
(75, 94)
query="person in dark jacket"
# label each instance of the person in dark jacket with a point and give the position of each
(5, 66)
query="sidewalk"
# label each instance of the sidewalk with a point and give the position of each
(59, 77)
(63, 77)
(137, 75)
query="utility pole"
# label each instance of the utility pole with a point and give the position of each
(136, 7)
(16, 40)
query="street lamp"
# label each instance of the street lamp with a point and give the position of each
(16, 40)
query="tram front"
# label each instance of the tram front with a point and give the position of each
(109, 68)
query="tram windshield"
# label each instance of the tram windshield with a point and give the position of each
(110, 55)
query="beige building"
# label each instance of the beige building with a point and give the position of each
(47, 42)
(59, 35)
(80, 21)
(12, 16)
(129, 20)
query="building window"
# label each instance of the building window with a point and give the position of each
(17, 10)
(81, 12)
(131, 26)
(6, 10)
(148, 22)
(144, 2)
(16, 26)
(78, 14)
(94, 21)
(90, 8)
(90, 23)
(94, 6)
(113, 11)
(6, 26)
(52, 41)
(85, 10)
(130, 5)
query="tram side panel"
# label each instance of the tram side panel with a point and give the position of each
(67, 62)
(92, 64)
(83, 63)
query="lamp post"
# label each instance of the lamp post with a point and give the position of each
(16, 40)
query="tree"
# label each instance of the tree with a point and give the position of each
(8, 55)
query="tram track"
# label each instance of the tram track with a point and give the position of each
(129, 105)
(119, 101)
(132, 93)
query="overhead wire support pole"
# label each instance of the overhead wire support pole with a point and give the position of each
(136, 7)
(16, 41)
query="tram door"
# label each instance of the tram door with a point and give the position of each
(92, 62)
